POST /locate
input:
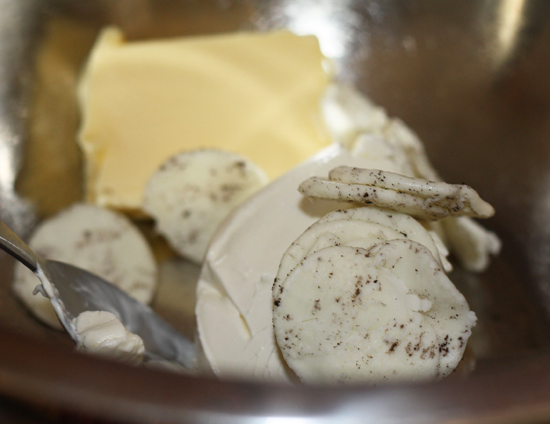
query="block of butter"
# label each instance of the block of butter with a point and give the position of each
(256, 94)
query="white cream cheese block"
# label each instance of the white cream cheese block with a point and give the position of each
(234, 299)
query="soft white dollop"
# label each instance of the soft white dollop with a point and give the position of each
(100, 332)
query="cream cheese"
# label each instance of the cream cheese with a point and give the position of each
(234, 290)
(101, 333)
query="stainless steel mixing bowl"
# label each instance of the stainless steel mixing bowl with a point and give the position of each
(470, 77)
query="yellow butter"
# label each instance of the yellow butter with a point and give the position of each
(257, 94)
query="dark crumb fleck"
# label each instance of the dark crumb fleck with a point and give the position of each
(392, 347)
(317, 304)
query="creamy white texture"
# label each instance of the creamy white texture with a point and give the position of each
(48, 293)
(192, 192)
(368, 131)
(357, 227)
(234, 291)
(416, 197)
(98, 240)
(101, 333)
(388, 313)
(471, 242)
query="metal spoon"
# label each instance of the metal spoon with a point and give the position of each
(72, 290)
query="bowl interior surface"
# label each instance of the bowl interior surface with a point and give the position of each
(471, 78)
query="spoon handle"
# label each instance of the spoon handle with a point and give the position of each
(13, 245)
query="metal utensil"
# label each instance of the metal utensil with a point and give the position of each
(72, 290)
